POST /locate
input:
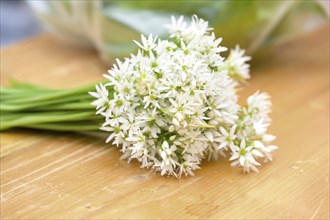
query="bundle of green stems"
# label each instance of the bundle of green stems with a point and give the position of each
(30, 106)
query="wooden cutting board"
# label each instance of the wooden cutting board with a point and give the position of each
(47, 175)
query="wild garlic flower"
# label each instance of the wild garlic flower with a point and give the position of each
(236, 64)
(174, 103)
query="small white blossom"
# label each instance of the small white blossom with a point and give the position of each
(174, 103)
(227, 138)
(236, 64)
(244, 156)
(176, 27)
(260, 127)
(259, 106)
(101, 96)
(147, 43)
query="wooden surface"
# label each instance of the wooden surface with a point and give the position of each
(48, 175)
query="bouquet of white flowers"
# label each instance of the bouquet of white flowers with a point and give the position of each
(169, 106)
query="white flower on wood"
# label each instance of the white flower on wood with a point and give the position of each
(174, 103)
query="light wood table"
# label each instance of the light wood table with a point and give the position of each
(47, 175)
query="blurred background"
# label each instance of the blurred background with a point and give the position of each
(17, 22)
(110, 26)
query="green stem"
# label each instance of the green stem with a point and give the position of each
(48, 96)
(67, 106)
(53, 94)
(64, 127)
(31, 106)
(8, 106)
(35, 119)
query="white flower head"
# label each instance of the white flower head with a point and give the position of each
(102, 98)
(147, 44)
(174, 103)
(237, 65)
(244, 156)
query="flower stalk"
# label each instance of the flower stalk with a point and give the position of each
(30, 106)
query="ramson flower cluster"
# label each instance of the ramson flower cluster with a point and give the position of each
(174, 103)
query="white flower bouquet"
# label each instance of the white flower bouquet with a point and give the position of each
(169, 106)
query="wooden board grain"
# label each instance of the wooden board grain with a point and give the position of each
(48, 175)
